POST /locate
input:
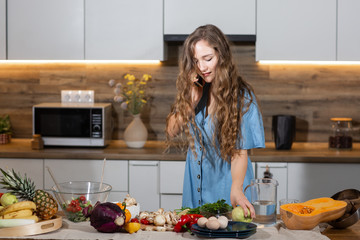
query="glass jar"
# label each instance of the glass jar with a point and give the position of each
(341, 133)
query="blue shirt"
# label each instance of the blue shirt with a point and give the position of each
(207, 176)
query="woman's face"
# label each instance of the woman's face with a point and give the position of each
(206, 59)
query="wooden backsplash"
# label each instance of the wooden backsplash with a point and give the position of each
(313, 93)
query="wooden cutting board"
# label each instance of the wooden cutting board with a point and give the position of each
(40, 227)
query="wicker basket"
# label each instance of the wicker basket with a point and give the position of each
(5, 138)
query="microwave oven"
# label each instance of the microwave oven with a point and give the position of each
(73, 124)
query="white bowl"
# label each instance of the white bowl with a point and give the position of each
(134, 210)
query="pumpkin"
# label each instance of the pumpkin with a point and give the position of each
(307, 215)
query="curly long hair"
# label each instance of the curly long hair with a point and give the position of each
(228, 90)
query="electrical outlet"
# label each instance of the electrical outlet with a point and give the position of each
(77, 96)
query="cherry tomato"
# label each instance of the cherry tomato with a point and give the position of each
(78, 208)
(82, 198)
(134, 220)
(144, 221)
(73, 203)
(1, 194)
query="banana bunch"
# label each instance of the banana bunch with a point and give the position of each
(19, 210)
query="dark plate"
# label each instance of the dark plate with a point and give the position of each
(233, 227)
(240, 235)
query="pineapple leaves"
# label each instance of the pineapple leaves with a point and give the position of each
(21, 187)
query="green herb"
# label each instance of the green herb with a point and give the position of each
(212, 208)
(215, 208)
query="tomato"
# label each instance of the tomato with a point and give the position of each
(134, 220)
(78, 208)
(144, 221)
(82, 198)
(1, 194)
(73, 203)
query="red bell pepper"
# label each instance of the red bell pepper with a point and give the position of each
(186, 221)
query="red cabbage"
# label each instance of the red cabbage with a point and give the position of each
(107, 217)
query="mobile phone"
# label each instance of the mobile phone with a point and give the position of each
(200, 81)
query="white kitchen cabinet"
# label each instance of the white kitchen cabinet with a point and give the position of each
(171, 184)
(45, 29)
(172, 176)
(33, 168)
(124, 30)
(313, 180)
(2, 29)
(235, 17)
(144, 183)
(115, 174)
(296, 30)
(170, 202)
(348, 39)
(279, 172)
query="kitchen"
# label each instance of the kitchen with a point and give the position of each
(312, 92)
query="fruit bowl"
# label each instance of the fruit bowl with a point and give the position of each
(78, 198)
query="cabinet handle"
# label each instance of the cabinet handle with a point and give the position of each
(274, 166)
(145, 164)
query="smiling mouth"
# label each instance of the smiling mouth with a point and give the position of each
(206, 74)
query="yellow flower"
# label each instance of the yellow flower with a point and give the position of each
(147, 77)
(143, 83)
(143, 100)
(131, 77)
(130, 83)
(141, 92)
(126, 76)
(129, 92)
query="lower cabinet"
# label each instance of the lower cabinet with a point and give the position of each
(33, 168)
(144, 184)
(171, 184)
(115, 174)
(313, 180)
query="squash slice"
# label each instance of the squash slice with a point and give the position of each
(307, 215)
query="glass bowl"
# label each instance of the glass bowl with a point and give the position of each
(78, 198)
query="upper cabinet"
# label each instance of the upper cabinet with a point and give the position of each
(2, 29)
(182, 17)
(296, 30)
(124, 30)
(45, 30)
(348, 30)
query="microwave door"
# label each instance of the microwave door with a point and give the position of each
(65, 123)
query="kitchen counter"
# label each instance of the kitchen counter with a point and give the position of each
(154, 150)
(83, 230)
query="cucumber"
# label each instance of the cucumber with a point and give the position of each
(15, 222)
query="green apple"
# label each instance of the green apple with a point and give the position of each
(238, 215)
(8, 199)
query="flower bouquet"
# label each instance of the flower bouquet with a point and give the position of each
(131, 95)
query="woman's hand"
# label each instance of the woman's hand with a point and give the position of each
(237, 198)
(196, 93)
(238, 171)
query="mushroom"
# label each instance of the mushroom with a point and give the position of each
(160, 211)
(144, 215)
(129, 200)
(160, 229)
(174, 217)
(159, 220)
(223, 222)
(202, 222)
(213, 224)
(168, 217)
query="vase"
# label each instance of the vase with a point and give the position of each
(136, 134)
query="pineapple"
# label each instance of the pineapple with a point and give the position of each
(46, 205)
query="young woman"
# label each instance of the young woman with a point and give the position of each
(218, 112)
